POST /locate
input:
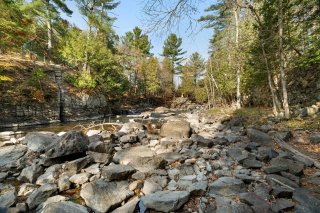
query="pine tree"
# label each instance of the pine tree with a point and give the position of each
(173, 51)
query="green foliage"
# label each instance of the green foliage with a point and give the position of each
(85, 80)
(200, 95)
(14, 25)
(172, 50)
(138, 41)
(36, 77)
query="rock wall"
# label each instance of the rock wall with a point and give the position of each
(60, 101)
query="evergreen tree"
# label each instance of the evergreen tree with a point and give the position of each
(173, 51)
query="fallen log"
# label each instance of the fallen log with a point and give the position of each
(289, 148)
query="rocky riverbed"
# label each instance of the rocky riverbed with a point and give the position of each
(193, 163)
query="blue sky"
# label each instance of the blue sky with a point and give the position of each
(129, 14)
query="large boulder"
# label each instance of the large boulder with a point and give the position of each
(70, 143)
(166, 201)
(38, 141)
(126, 155)
(100, 196)
(259, 137)
(227, 186)
(7, 195)
(9, 155)
(64, 207)
(41, 194)
(176, 129)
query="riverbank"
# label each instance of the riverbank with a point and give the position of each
(196, 161)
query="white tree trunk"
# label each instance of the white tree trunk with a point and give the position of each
(236, 17)
(283, 77)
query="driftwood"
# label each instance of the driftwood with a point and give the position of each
(289, 148)
(282, 184)
(100, 125)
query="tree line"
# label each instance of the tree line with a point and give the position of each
(254, 47)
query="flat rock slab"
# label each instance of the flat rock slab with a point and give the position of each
(175, 129)
(10, 154)
(64, 207)
(257, 203)
(227, 186)
(7, 195)
(165, 201)
(117, 172)
(70, 143)
(148, 164)
(100, 195)
(126, 155)
(294, 167)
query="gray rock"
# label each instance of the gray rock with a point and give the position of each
(7, 195)
(64, 207)
(307, 201)
(161, 110)
(64, 183)
(26, 189)
(227, 205)
(39, 141)
(171, 157)
(98, 157)
(201, 140)
(129, 207)
(252, 163)
(256, 202)
(100, 196)
(100, 147)
(281, 191)
(148, 164)
(227, 186)
(281, 205)
(53, 199)
(175, 129)
(117, 172)
(285, 135)
(154, 183)
(3, 176)
(80, 178)
(41, 194)
(94, 169)
(295, 167)
(73, 167)
(278, 178)
(165, 201)
(9, 156)
(126, 155)
(266, 153)
(259, 137)
(50, 176)
(131, 127)
(130, 138)
(275, 169)
(31, 173)
(263, 190)
(70, 143)
(314, 138)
